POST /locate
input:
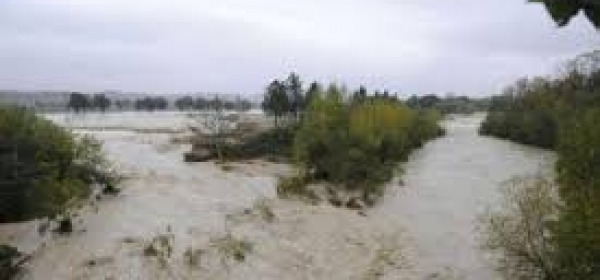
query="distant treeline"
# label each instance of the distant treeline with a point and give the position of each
(563, 114)
(286, 99)
(200, 103)
(449, 104)
(79, 102)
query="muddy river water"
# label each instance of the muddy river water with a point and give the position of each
(424, 228)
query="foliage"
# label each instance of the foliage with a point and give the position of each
(274, 144)
(200, 103)
(276, 102)
(356, 145)
(532, 111)
(520, 230)
(81, 102)
(449, 104)
(563, 114)
(295, 95)
(313, 90)
(43, 167)
(78, 102)
(101, 102)
(576, 233)
(287, 99)
(123, 104)
(292, 187)
(184, 103)
(8, 259)
(562, 11)
(151, 103)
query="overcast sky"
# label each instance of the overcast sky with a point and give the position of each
(237, 46)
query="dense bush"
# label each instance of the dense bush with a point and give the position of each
(533, 127)
(43, 167)
(8, 258)
(577, 232)
(357, 145)
(532, 111)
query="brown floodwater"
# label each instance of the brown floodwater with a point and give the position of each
(424, 228)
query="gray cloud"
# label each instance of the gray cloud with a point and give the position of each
(414, 46)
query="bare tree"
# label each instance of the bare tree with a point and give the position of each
(212, 129)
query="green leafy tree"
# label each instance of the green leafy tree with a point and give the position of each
(151, 103)
(101, 102)
(43, 167)
(360, 95)
(314, 90)
(276, 101)
(578, 167)
(9, 267)
(356, 146)
(123, 104)
(184, 103)
(295, 95)
(78, 102)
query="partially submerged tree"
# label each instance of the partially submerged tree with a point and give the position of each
(276, 102)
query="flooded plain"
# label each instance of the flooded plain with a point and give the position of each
(425, 227)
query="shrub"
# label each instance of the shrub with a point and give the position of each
(272, 144)
(43, 167)
(65, 225)
(292, 186)
(520, 230)
(576, 233)
(8, 258)
(231, 247)
(357, 145)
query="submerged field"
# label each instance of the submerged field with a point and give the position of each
(425, 226)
